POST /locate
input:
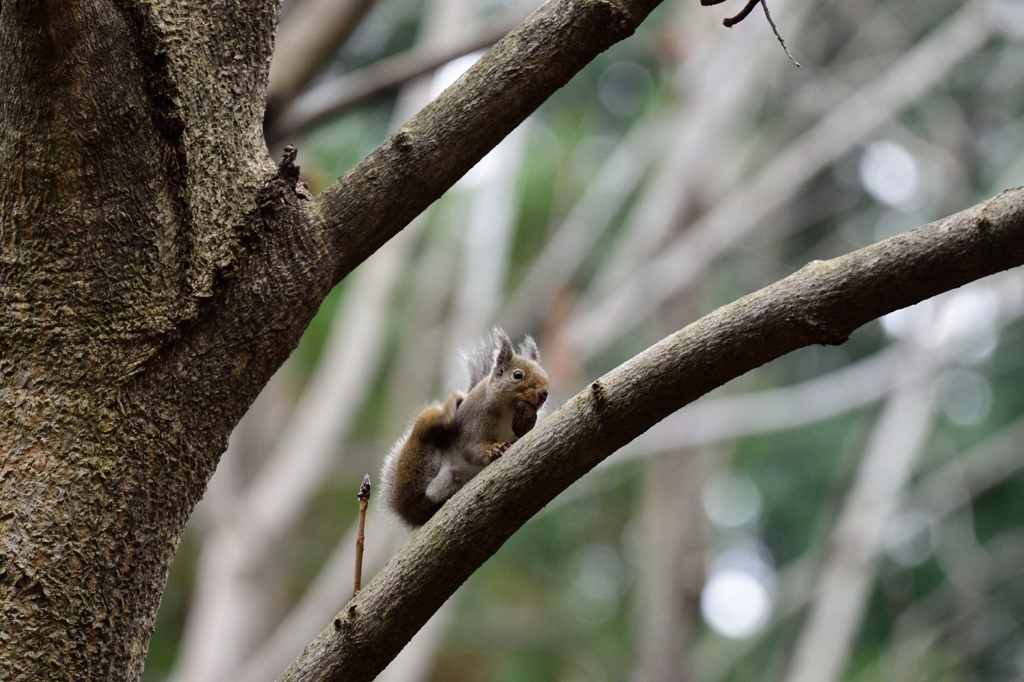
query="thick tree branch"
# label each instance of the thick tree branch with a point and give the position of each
(368, 205)
(821, 304)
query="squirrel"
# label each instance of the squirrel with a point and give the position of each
(448, 444)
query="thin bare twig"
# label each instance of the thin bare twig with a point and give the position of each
(729, 22)
(778, 35)
(364, 500)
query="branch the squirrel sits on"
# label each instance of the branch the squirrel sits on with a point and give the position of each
(448, 444)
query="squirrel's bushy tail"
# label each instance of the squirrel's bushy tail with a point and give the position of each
(478, 357)
(389, 470)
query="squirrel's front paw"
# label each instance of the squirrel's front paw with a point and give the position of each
(497, 450)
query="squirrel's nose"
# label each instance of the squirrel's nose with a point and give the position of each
(542, 395)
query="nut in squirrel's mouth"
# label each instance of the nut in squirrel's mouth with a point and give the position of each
(524, 417)
(542, 397)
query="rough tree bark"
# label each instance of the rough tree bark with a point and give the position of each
(156, 268)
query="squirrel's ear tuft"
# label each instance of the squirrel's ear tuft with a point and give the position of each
(528, 349)
(503, 352)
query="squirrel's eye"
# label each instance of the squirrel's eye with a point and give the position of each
(518, 376)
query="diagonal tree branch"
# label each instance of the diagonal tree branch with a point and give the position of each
(370, 203)
(821, 304)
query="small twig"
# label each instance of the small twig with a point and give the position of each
(732, 21)
(364, 500)
(747, 9)
(777, 34)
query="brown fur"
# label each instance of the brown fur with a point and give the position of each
(449, 444)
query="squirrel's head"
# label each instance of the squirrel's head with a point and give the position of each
(518, 376)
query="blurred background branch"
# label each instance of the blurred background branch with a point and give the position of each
(334, 97)
(839, 598)
(307, 39)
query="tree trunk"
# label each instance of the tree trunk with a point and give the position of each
(117, 225)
